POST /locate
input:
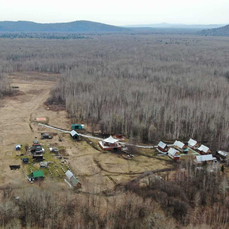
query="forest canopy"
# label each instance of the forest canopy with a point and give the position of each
(148, 87)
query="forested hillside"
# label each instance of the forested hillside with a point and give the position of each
(75, 26)
(222, 31)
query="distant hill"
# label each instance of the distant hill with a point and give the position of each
(176, 26)
(222, 31)
(76, 26)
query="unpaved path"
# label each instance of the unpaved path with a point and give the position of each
(15, 115)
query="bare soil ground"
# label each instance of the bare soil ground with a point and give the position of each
(96, 170)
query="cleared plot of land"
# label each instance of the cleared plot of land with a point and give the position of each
(96, 170)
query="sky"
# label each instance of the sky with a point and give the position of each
(117, 12)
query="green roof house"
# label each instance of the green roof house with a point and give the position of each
(36, 175)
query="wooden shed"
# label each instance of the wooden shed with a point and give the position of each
(193, 144)
(174, 154)
(204, 150)
(162, 147)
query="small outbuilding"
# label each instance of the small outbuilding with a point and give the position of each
(174, 154)
(18, 147)
(222, 154)
(110, 144)
(72, 179)
(205, 158)
(193, 144)
(36, 175)
(162, 147)
(74, 135)
(204, 150)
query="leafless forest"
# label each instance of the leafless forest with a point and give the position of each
(182, 202)
(147, 87)
(150, 88)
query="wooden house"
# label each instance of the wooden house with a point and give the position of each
(162, 147)
(180, 146)
(204, 150)
(174, 154)
(110, 144)
(193, 144)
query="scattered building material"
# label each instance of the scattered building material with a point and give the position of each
(110, 144)
(193, 144)
(204, 150)
(41, 119)
(162, 147)
(54, 150)
(14, 167)
(44, 164)
(174, 154)
(205, 158)
(72, 179)
(46, 136)
(25, 160)
(36, 175)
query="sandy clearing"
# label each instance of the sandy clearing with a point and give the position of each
(96, 170)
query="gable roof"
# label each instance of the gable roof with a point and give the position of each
(69, 174)
(223, 153)
(162, 145)
(73, 133)
(173, 151)
(203, 158)
(179, 144)
(74, 181)
(192, 142)
(110, 140)
(203, 148)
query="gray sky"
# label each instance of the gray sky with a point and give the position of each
(117, 12)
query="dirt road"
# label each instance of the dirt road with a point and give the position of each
(96, 170)
(15, 114)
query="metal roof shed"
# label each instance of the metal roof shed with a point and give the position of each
(203, 158)
(162, 145)
(192, 142)
(179, 144)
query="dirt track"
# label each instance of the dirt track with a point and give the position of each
(15, 114)
(96, 170)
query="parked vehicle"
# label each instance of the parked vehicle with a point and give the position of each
(46, 136)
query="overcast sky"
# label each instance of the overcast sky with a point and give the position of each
(117, 12)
